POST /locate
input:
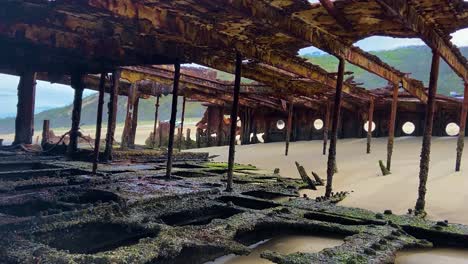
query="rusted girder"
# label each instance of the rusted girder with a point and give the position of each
(408, 15)
(339, 17)
(326, 127)
(370, 125)
(162, 44)
(97, 140)
(77, 82)
(331, 165)
(172, 122)
(427, 136)
(391, 126)
(289, 127)
(234, 114)
(127, 133)
(24, 122)
(296, 21)
(112, 115)
(216, 36)
(461, 134)
(156, 117)
(182, 119)
(65, 37)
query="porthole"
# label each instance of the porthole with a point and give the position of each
(366, 126)
(318, 124)
(452, 129)
(280, 124)
(408, 128)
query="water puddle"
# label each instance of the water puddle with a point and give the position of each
(283, 244)
(432, 256)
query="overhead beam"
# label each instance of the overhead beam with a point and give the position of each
(215, 37)
(294, 21)
(336, 14)
(409, 16)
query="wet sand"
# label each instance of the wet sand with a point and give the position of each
(142, 133)
(282, 244)
(434, 256)
(359, 172)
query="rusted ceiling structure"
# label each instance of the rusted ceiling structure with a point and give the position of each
(94, 35)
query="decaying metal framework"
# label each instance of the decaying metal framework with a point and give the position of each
(94, 36)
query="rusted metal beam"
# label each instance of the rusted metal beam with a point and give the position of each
(234, 114)
(336, 14)
(461, 134)
(391, 126)
(326, 127)
(331, 165)
(297, 23)
(370, 124)
(127, 131)
(289, 127)
(136, 107)
(156, 117)
(77, 82)
(216, 37)
(97, 140)
(219, 132)
(24, 123)
(427, 136)
(45, 132)
(410, 17)
(112, 115)
(172, 123)
(182, 119)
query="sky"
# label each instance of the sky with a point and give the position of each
(53, 95)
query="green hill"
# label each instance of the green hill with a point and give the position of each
(414, 59)
(61, 117)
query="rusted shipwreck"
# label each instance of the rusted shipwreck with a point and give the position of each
(138, 214)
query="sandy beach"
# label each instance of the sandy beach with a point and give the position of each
(143, 131)
(359, 172)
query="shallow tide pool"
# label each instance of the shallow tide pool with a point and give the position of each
(283, 244)
(432, 256)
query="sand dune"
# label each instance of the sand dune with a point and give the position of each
(359, 172)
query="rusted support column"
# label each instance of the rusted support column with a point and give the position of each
(172, 124)
(426, 146)
(182, 119)
(334, 133)
(77, 82)
(289, 127)
(97, 141)
(219, 132)
(132, 137)
(130, 116)
(461, 135)
(24, 123)
(370, 124)
(391, 126)
(234, 113)
(45, 132)
(208, 126)
(326, 127)
(112, 115)
(156, 117)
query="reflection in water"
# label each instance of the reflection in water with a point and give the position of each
(433, 256)
(281, 244)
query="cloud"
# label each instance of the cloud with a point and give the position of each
(460, 38)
